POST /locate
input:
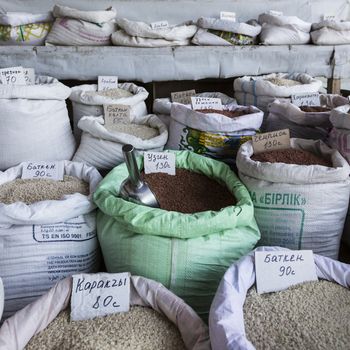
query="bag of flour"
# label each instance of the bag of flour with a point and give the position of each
(283, 30)
(87, 101)
(214, 134)
(298, 206)
(34, 122)
(102, 148)
(74, 27)
(331, 33)
(48, 240)
(20, 28)
(264, 89)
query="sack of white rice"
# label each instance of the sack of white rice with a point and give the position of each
(215, 31)
(331, 33)
(313, 315)
(283, 30)
(102, 148)
(47, 231)
(75, 27)
(87, 101)
(34, 122)
(213, 133)
(157, 319)
(21, 28)
(261, 90)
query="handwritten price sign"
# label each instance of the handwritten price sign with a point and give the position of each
(159, 162)
(269, 141)
(43, 170)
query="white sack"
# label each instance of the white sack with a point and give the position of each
(331, 33)
(2, 296)
(298, 206)
(226, 318)
(17, 331)
(102, 148)
(34, 122)
(47, 240)
(212, 134)
(85, 104)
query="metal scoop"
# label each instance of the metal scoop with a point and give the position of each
(133, 188)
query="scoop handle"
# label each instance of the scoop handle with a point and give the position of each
(130, 160)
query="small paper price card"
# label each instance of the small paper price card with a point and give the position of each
(12, 76)
(279, 139)
(279, 269)
(106, 82)
(29, 76)
(311, 99)
(116, 114)
(183, 97)
(228, 16)
(99, 294)
(275, 13)
(327, 17)
(159, 162)
(43, 170)
(206, 103)
(160, 25)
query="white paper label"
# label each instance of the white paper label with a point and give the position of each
(106, 82)
(116, 114)
(43, 170)
(228, 16)
(311, 99)
(269, 141)
(206, 103)
(183, 97)
(159, 162)
(160, 25)
(329, 18)
(29, 76)
(12, 76)
(280, 269)
(275, 13)
(100, 294)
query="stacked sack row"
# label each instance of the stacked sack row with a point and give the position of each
(68, 26)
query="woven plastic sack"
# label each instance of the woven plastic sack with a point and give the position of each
(86, 103)
(74, 27)
(259, 92)
(102, 148)
(20, 28)
(299, 206)
(17, 331)
(34, 122)
(48, 240)
(212, 134)
(187, 253)
(331, 33)
(1, 297)
(226, 320)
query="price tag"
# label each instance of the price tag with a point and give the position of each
(159, 162)
(329, 18)
(29, 76)
(275, 13)
(106, 82)
(311, 99)
(280, 269)
(269, 141)
(183, 97)
(99, 294)
(160, 25)
(206, 103)
(43, 170)
(12, 76)
(116, 114)
(228, 16)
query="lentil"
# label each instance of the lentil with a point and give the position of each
(314, 109)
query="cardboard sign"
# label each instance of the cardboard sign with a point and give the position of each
(183, 97)
(159, 25)
(269, 141)
(12, 76)
(106, 82)
(159, 162)
(206, 103)
(275, 13)
(116, 114)
(228, 16)
(43, 170)
(29, 76)
(100, 294)
(278, 270)
(310, 99)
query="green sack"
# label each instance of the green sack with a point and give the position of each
(187, 253)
